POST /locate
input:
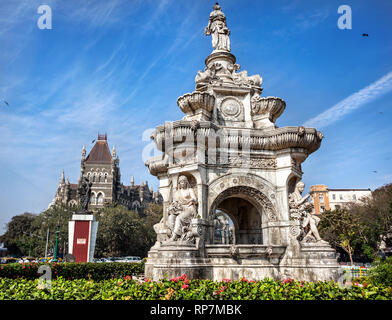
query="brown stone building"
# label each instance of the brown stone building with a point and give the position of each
(102, 169)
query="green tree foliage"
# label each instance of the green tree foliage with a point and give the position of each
(125, 233)
(58, 215)
(357, 228)
(17, 238)
(342, 229)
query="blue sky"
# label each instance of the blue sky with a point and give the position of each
(119, 66)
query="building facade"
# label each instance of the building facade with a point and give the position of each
(325, 199)
(101, 168)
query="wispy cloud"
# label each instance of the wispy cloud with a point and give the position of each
(351, 103)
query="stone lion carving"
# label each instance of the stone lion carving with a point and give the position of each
(301, 210)
(181, 211)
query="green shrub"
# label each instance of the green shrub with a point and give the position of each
(381, 273)
(182, 288)
(70, 271)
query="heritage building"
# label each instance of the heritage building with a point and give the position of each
(102, 169)
(325, 199)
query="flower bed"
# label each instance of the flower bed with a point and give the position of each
(71, 271)
(182, 288)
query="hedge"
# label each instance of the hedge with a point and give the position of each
(71, 271)
(184, 289)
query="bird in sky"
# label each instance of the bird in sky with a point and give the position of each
(375, 171)
(93, 141)
(6, 102)
(365, 35)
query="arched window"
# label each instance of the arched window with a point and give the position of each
(92, 198)
(88, 176)
(100, 198)
(94, 177)
(106, 177)
(100, 177)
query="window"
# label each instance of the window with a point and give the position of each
(88, 176)
(100, 198)
(100, 177)
(334, 196)
(340, 196)
(92, 198)
(94, 177)
(106, 177)
(322, 208)
(354, 197)
(321, 198)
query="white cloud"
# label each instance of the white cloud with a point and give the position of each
(351, 103)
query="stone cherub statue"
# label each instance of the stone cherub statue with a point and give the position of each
(301, 209)
(218, 29)
(85, 193)
(182, 210)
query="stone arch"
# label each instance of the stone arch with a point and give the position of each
(250, 187)
(72, 203)
(93, 198)
(100, 197)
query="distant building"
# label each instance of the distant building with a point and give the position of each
(102, 169)
(325, 199)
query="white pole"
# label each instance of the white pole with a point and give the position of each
(46, 247)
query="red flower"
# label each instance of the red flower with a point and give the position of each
(127, 278)
(244, 280)
(174, 279)
(184, 286)
(147, 280)
(226, 280)
(186, 281)
(289, 280)
(183, 277)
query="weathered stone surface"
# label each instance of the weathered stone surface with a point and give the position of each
(235, 162)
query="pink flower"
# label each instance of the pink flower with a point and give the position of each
(127, 278)
(147, 280)
(186, 281)
(183, 277)
(226, 280)
(289, 280)
(185, 286)
(174, 279)
(244, 280)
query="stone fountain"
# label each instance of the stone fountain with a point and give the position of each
(227, 156)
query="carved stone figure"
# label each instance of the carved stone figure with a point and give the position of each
(218, 29)
(301, 209)
(182, 210)
(85, 193)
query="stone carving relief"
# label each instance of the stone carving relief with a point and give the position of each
(253, 162)
(231, 109)
(300, 209)
(181, 211)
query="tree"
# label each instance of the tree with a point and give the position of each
(122, 232)
(18, 238)
(58, 215)
(342, 229)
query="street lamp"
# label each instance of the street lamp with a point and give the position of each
(57, 243)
